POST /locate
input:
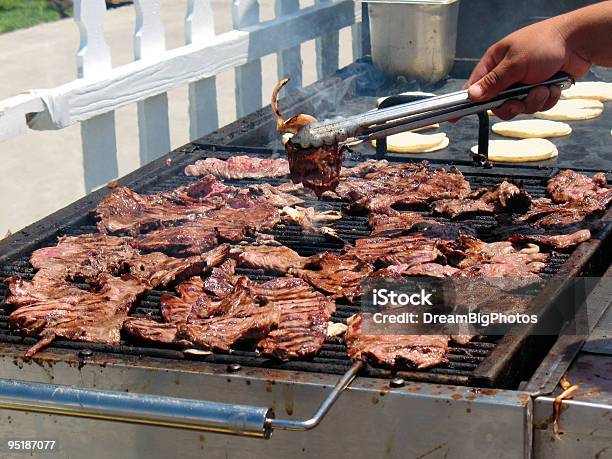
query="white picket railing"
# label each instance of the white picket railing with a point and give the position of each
(92, 99)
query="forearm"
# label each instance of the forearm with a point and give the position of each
(588, 32)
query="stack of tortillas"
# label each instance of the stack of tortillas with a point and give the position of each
(526, 129)
(412, 142)
(524, 150)
(573, 110)
(598, 90)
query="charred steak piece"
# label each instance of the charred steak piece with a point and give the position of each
(315, 168)
(543, 214)
(278, 259)
(277, 196)
(85, 256)
(239, 167)
(190, 239)
(304, 315)
(91, 316)
(423, 269)
(337, 275)
(571, 186)
(150, 331)
(419, 351)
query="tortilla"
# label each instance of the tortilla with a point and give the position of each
(411, 142)
(526, 129)
(518, 151)
(573, 110)
(597, 90)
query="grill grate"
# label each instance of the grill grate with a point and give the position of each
(463, 360)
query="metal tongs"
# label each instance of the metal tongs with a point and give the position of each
(384, 122)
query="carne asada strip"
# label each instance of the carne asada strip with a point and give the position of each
(408, 250)
(278, 259)
(304, 316)
(571, 186)
(556, 241)
(337, 275)
(90, 316)
(239, 167)
(419, 351)
(391, 225)
(84, 256)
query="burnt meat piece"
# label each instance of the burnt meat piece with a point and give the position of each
(571, 186)
(85, 256)
(419, 351)
(543, 214)
(80, 315)
(389, 225)
(557, 241)
(279, 259)
(304, 315)
(125, 211)
(161, 270)
(239, 167)
(315, 168)
(337, 275)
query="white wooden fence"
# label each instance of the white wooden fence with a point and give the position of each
(92, 99)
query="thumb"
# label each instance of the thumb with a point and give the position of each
(491, 84)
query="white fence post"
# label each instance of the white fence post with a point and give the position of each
(328, 51)
(289, 62)
(98, 138)
(150, 42)
(248, 77)
(203, 114)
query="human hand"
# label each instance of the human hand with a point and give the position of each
(529, 55)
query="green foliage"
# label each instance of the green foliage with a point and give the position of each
(18, 14)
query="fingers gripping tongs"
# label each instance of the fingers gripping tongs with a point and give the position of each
(379, 124)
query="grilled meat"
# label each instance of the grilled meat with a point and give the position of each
(279, 259)
(80, 315)
(364, 168)
(315, 168)
(150, 331)
(420, 351)
(390, 225)
(407, 250)
(337, 275)
(304, 316)
(422, 269)
(558, 241)
(408, 186)
(125, 211)
(546, 215)
(506, 197)
(85, 256)
(161, 270)
(571, 186)
(204, 232)
(239, 167)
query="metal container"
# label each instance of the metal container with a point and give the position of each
(414, 38)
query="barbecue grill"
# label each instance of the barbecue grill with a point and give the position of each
(481, 382)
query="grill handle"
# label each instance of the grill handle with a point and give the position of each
(244, 420)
